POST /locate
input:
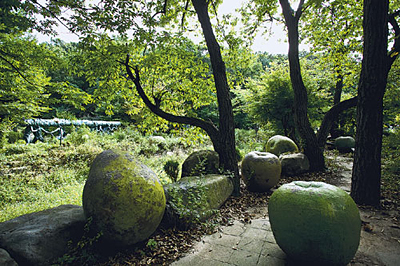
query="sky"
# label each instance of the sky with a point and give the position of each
(274, 44)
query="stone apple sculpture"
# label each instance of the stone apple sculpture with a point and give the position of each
(261, 171)
(280, 144)
(315, 223)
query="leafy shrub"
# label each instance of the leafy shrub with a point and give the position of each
(171, 167)
(391, 165)
(81, 135)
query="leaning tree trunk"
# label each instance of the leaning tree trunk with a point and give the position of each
(225, 145)
(311, 148)
(366, 178)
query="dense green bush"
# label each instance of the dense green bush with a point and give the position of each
(171, 167)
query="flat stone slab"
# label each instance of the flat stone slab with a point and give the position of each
(236, 245)
(41, 237)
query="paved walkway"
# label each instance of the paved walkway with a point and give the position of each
(237, 245)
(254, 244)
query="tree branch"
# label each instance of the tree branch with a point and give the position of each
(394, 52)
(206, 126)
(54, 16)
(330, 118)
(299, 10)
(18, 71)
(163, 11)
(184, 13)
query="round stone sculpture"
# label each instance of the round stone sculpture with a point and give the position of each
(345, 144)
(294, 164)
(315, 222)
(261, 171)
(280, 144)
(124, 198)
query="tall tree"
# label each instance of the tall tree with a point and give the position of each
(311, 146)
(377, 61)
(152, 23)
(312, 143)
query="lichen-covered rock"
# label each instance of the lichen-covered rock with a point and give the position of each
(280, 144)
(345, 144)
(315, 223)
(40, 238)
(261, 171)
(201, 163)
(5, 259)
(193, 199)
(124, 198)
(294, 164)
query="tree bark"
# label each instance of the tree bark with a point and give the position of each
(366, 177)
(225, 145)
(311, 148)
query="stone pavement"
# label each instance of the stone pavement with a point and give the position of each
(237, 245)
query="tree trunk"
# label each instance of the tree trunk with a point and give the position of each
(366, 178)
(311, 148)
(225, 145)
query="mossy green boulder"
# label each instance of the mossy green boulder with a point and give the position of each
(201, 162)
(280, 144)
(315, 222)
(124, 198)
(193, 199)
(261, 171)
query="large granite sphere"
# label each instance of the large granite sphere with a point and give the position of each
(124, 198)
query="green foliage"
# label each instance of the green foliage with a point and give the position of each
(171, 167)
(391, 165)
(252, 140)
(27, 90)
(22, 78)
(392, 97)
(334, 29)
(152, 244)
(391, 153)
